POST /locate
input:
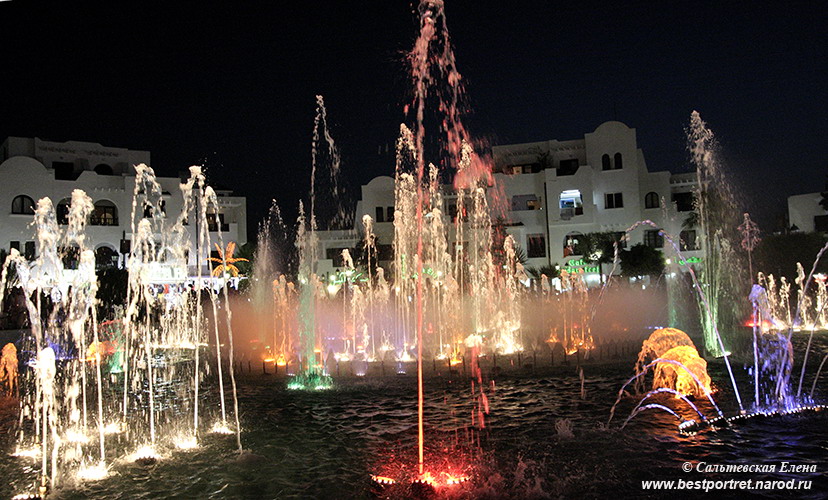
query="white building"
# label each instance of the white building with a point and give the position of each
(550, 193)
(806, 214)
(31, 169)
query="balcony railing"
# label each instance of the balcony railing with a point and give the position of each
(100, 221)
(570, 212)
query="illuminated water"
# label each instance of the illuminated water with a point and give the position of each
(325, 444)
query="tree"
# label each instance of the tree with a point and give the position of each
(641, 260)
(778, 254)
(535, 273)
(598, 248)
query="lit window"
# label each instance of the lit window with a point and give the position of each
(571, 204)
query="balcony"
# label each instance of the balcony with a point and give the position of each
(214, 227)
(96, 220)
(570, 212)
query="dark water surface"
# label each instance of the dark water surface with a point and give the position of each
(326, 444)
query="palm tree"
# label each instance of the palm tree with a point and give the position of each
(226, 260)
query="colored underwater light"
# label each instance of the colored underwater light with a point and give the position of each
(692, 427)
(310, 381)
(440, 480)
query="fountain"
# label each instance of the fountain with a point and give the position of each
(677, 366)
(138, 375)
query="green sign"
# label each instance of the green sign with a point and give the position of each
(581, 266)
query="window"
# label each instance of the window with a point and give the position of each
(653, 239)
(104, 214)
(452, 210)
(64, 170)
(651, 200)
(335, 254)
(380, 214)
(605, 162)
(536, 246)
(568, 167)
(524, 202)
(613, 200)
(14, 245)
(62, 211)
(103, 169)
(570, 243)
(23, 205)
(571, 204)
(621, 238)
(214, 225)
(683, 201)
(688, 240)
(619, 164)
(29, 251)
(105, 258)
(389, 214)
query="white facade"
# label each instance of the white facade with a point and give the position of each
(806, 214)
(547, 193)
(31, 169)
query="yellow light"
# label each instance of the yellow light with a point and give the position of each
(93, 472)
(383, 479)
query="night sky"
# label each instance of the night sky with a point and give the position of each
(233, 88)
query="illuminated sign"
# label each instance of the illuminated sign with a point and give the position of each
(581, 266)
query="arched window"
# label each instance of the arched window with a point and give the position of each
(103, 169)
(23, 204)
(605, 162)
(619, 164)
(105, 258)
(105, 214)
(651, 200)
(62, 211)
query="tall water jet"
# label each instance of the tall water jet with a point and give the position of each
(434, 74)
(716, 214)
